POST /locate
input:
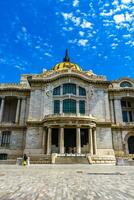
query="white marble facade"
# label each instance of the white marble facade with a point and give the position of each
(103, 126)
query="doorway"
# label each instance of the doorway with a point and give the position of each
(131, 145)
(70, 140)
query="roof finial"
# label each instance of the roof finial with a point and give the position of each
(66, 58)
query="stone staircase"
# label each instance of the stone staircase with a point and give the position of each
(46, 159)
(71, 160)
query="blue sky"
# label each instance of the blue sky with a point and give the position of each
(35, 33)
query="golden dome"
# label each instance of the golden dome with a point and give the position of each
(66, 64)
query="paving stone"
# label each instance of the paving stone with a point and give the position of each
(69, 182)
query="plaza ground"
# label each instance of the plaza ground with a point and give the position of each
(66, 182)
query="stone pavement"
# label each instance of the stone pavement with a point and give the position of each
(66, 182)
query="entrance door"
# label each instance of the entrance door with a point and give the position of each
(131, 144)
(70, 140)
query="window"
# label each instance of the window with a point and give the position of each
(82, 107)
(82, 91)
(56, 91)
(127, 111)
(56, 106)
(125, 84)
(5, 141)
(69, 88)
(69, 106)
(3, 156)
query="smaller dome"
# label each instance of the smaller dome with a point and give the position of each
(66, 64)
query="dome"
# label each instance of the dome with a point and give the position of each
(66, 64)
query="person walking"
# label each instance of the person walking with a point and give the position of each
(24, 162)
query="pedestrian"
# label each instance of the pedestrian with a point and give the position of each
(24, 162)
(28, 161)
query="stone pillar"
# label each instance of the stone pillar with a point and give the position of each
(77, 107)
(90, 140)
(44, 141)
(94, 142)
(61, 106)
(23, 111)
(2, 109)
(18, 111)
(78, 140)
(49, 138)
(118, 110)
(107, 113)
(61, 140)
(112, 110)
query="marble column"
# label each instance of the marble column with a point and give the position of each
(118, 110)
(90, 140)
(18, 111)
(44, 141)
(112, 110)
(77, 107)
(61, 140)
(2, 108)
(49, 140)
(94, 142)
(78, 140)
(61, 106)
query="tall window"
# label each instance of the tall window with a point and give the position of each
(5, 141)
(82, 107)
(56, 91)
(82, 91)
(56, 106)
(69, 106)
(127, 111)
(69, 88)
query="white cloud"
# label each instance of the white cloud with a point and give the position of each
(119, 18)
(104, 14)
(67, 15)
(82, 42)
(126, 1)
(19, 67)
(76, 20)
(81, 33)
(48, 54)
(86, 24)
(75, 3)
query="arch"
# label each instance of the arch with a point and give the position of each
(131, 144)
(126, 146)
(69, 106)
(125, 84)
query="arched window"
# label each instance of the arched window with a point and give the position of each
(69, 88)
(56, 91)
(69, 106)
(125, 84)
(82, 91)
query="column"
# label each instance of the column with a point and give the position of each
(90, 140)
(118, 110)
(78, 140)
(112, 110)
(77, 107)
(61, 106)
(2, 108)
(23, 111)
(44, 141)
(61, 140)
(18, 111)
(49, 134)
(94, 142)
